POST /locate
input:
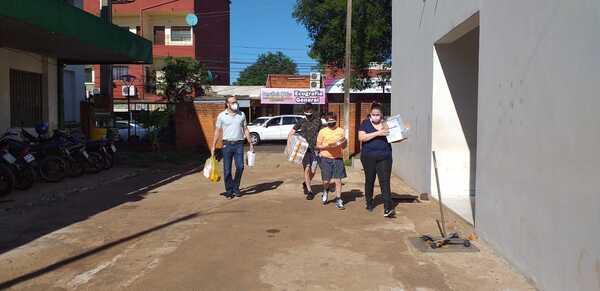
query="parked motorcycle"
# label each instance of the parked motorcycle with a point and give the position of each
(50, 154)
(72, 150)
(7, 179)
(106, 149)
(21, 162)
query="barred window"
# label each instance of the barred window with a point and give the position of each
(181, 34)
(119, 71)
(26, 100)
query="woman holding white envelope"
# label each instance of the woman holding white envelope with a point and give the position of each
(376, 158)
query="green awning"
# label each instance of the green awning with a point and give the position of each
(54, 28)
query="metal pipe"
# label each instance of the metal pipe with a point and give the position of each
(437, 182)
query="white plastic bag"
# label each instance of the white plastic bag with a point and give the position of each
(207, 168)
(251, 158)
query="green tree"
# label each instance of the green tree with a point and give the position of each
(325, 21)
(181, 77)
(269, 63)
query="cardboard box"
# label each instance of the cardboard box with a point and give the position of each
(398, 129)
(298, 147)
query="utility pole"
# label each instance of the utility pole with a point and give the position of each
(347, 70)
(347, 76)
(106, 77)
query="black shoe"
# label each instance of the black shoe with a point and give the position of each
(238, 195)
(389, 213)
(228, 195)
(370, 208)
(305, 189)
(310, 196)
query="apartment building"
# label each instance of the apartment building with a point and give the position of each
(163, 22)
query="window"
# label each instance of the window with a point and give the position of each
(119, 71)
(26, 101)
(89, 75)
(274, 121)
(289, 120)
(181, 34)
(159, 35)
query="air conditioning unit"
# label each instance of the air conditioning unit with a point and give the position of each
(128, 91)
(315, 80)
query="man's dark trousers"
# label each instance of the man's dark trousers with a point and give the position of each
(233, 152)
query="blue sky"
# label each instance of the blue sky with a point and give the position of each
(259, 26)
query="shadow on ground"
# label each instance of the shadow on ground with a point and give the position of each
(24, 223)
(96, 250)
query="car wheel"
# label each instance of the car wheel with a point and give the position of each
(254, 138)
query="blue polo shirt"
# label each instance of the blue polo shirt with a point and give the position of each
(233, 125)
(377, 147)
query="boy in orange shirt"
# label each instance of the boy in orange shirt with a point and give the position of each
(331, 142)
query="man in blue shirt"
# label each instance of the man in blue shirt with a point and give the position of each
(232, 128)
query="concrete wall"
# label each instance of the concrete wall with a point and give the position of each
(537, 125)
(25, 61)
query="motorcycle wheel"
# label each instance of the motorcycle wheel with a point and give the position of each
(7, 180)
(109, 161)
(76, 168)
(53, 169)
(95, 163)
(25, 178)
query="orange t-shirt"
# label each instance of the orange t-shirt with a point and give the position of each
(328, 136)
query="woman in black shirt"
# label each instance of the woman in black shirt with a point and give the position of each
(376, 157)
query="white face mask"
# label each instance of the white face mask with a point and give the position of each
(234, 106)
(376, 119)
(308, 113)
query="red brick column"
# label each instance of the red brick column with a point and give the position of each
(195, 125)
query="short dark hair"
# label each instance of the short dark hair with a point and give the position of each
(308, 106)
(331, 115)
(229, 97)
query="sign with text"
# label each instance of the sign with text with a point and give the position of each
(292, 96)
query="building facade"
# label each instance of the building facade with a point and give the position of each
(164, 24)
(38, 41)
(505, 92)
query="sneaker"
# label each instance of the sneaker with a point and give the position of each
(389, 213)
(310, 196)
(304, 188)
(339, 204)
(324, 197)
(238, 195)
(369, 208)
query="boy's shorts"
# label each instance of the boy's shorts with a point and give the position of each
(332, 169)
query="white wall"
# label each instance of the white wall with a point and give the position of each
(74, 92)
(538, 127)
(450, 145)
(25, 61)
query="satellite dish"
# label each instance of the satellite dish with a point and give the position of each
(191, 19)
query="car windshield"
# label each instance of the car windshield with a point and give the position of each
(259, 121)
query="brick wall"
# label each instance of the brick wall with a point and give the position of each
(195, 125)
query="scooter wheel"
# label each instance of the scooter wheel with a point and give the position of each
(467, 243)
(434, 245)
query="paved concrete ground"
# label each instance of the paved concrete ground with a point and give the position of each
(177, 233)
